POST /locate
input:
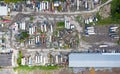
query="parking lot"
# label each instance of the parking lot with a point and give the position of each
(102, 38)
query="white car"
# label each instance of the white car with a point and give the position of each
(103, 45)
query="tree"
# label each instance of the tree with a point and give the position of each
(62, 0)
(59, 8)
(23, 35)
(115, 9)
(118, 31)
(14, 1)
(19, 58)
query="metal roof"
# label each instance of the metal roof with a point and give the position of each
(3, 11)
(94, 60)
(6, 59)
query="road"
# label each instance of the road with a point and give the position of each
(55, 50)
(7, 71)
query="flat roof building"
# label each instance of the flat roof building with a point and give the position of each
(3, 10)
(5, 59)
(94, 60)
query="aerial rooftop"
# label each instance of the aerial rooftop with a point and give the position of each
(5, 59)
(94, 60)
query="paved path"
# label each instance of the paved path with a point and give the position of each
(55, 50)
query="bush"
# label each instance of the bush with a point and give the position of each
(19, 58)
(115, 9)
(31, 19)
(118, 42)
(14, 1)
(107, 21)
(103, 1)
(60, 24)
(24, 35)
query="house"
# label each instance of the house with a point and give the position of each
(32, 29)
(30, 61)
(67, 22)
(43, 27)
(37, 40)
(22, 25)
(78, 4)
(42, 6)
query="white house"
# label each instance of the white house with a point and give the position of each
(67, 22)
(44, 5)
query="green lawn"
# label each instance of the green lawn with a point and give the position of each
(103, 1)
(55, 33)
(60, 24)
(118, 42)
(19, 58)
(108, 21)
(14, 1)
(37, 67)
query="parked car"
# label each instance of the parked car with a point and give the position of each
(113, 29)
(103, 45)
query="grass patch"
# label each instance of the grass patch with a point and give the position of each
(79, 19)
(55, 33)
(118, 42)
(60, 24)
(11, 1)
(66, 47)
(59, 28)
(19, 58)
(37, 68)
(83, 38)
(108, 21)
(103, 1)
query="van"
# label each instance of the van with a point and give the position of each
(113, 27)
(90, 30)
